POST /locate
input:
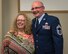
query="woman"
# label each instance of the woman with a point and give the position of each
(19, 40)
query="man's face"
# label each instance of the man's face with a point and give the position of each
(37, 9)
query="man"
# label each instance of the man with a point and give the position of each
(47, 34)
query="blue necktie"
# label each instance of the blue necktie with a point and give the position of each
(37, 23)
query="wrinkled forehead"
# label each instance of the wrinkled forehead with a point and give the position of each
(37, 4)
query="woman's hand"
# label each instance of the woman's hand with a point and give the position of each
(6, 42)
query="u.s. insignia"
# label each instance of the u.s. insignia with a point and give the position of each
(59, 31)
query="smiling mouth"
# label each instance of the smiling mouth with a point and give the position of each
(20, 24)
(35, 12)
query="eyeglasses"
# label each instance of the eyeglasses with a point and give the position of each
(36, 7)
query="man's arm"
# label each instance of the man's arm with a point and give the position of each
(57, 36)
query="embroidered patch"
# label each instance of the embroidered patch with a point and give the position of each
(59, 31)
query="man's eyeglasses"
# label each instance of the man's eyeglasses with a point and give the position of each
(36, 7)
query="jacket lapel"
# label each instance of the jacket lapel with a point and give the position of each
(42, 22)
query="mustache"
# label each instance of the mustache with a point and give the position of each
(35, 12)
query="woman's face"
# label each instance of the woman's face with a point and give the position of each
(21, 22)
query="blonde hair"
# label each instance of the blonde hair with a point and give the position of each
(27, 28)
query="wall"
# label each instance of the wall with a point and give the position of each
(0, 24)
(49, 4)
(10, 10)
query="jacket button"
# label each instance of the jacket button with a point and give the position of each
(36, 40)
(37, 47)
(37, 35)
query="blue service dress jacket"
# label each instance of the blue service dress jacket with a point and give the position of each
(48, 35)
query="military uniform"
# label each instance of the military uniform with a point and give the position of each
(48, 35)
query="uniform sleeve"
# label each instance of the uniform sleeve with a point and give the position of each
(57, 36)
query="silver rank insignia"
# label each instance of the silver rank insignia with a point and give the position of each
(59, 31)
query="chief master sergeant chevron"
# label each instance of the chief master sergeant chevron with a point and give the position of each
(48, 35)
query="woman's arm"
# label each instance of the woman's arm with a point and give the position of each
(16, 48)
(12, 45)
(5, 43)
